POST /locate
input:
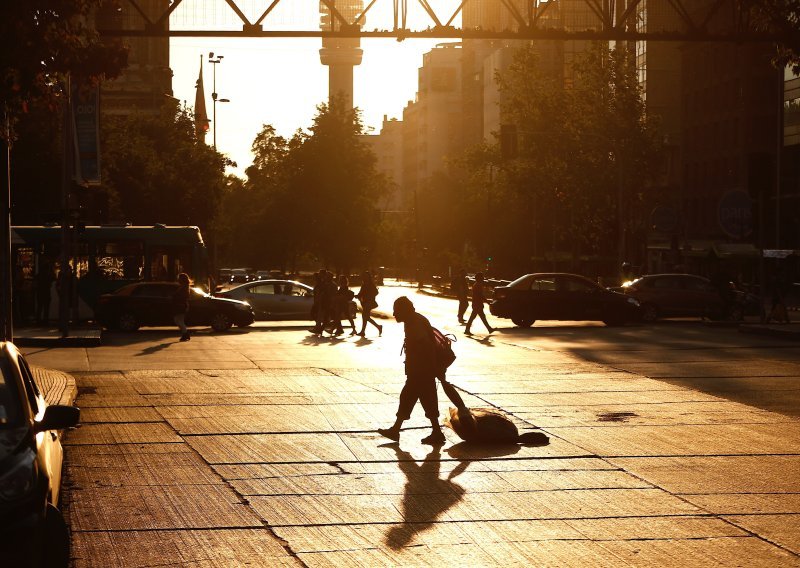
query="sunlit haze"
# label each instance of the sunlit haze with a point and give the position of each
(281, 81)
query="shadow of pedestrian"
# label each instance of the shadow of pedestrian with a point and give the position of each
(425, 496)
(153, 349)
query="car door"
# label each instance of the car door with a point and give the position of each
(701, 297)
(542, 297)
(152, 303)
(295, 301)
(262, 297)
(578, 299)
(666, 292)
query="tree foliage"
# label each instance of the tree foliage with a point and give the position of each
(588, 157)
(156, 170)
(43, 40)
(314, 194)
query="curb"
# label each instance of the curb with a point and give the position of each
(57, 387)
(52, 338)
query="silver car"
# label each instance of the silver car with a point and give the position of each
(278, 299)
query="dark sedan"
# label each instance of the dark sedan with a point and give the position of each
(150, 304)
(32, 530)
(559, 296)
(684, 295)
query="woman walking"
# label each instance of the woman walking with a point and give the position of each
(180, 305)
(366, 295)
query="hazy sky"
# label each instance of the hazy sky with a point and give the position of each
(281, 81)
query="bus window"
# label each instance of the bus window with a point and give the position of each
(120, 260)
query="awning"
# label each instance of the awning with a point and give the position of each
(729, 250)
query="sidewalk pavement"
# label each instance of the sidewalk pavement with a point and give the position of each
(282, 466)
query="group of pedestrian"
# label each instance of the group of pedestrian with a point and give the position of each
(332, 303)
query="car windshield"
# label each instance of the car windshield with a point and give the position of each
(9, 401)
(521, 282)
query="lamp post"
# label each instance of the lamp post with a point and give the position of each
(214, 59)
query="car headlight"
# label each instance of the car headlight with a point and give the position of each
(633, 301)
(20, 477)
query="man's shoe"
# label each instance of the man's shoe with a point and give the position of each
(435, 439)
(380, 330)
(390, 433)
(467, 332)
(185, 337)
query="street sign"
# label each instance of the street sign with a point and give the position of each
(735, 214)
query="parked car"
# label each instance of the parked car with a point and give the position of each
(560, 296)
(278, 299)
(32, 530)
(262, 275)
(683, 295)
(150, 303)
(224, 275)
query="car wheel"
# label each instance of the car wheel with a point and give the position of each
(523, 322)
(56, 553)
(221, 322)
(649, 312)
(127, 322)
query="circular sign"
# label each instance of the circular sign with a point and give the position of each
(735, 214)
(664, 219)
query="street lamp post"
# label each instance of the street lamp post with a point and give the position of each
(214, 59)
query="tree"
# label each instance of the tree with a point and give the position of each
(156, 170)
(588, 153)
(335, 181)
(41, 41)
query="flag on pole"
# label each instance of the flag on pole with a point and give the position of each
(201, 121)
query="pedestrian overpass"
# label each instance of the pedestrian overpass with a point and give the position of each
(607, 20)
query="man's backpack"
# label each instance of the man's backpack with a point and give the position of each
(443, 348)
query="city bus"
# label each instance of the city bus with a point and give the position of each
(102, 259)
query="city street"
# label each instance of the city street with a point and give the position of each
(671, 444)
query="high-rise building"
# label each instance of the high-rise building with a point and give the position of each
(340, 54)
(147, 80)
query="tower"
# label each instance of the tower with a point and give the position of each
(340, 54)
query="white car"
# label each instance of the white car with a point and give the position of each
(278, 299)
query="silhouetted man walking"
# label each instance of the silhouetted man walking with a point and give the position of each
(421, 369)
(478, 300)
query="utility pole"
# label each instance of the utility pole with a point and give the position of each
(6, 271)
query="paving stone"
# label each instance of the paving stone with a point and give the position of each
(416, 481)
(723, 552)
(259, 419)
(467, 555)
(93, 400)
(207, 549)
(747, 503)
(723, 474)
(268, 471)
(152, 473)
(134, 433)
(265, 448)
(148, 507)
(551, 480)
(553, 554)
(516, 402)
(648, 528)
(783, 530)
(83, 453)
(327, 509)
(669, 414)
(119, 414)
